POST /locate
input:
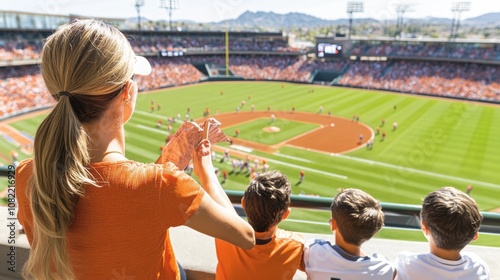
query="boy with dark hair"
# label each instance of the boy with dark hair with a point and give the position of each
(356, 217)
(277, 253)
(450, 219)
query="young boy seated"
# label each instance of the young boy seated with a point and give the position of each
(356, 217)
(450, 219)
(277, 253)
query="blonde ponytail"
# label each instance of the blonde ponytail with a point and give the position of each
(60, 140)
(90, 61)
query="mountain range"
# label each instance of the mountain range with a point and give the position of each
(271, 19)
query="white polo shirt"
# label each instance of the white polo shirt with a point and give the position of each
(329, 262)
(430, 267)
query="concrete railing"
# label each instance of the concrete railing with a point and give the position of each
(196, 251)
(396, 215)
(404, 216)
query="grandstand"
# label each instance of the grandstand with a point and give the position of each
(456, 70)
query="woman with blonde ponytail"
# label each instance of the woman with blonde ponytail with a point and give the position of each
(88, 211)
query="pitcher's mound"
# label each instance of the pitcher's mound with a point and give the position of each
(271, 129)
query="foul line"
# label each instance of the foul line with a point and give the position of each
(309, 169)
(292, 157)
(157, 130)
(241, 148)
(371, 162)
(156, 115)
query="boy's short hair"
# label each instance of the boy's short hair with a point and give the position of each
(267, 198)
(357, 214)
(452, 217)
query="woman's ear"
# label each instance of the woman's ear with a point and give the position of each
(243, 203)
(125, 93)
(128, 96)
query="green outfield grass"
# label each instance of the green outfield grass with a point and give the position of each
(439, 142)
(254, 130)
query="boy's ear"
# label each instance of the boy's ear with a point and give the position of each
(476, 236)
(243, 202)
(288, 210)
(424, 227)
(333, 225)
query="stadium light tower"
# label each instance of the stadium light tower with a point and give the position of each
(353, 7)
(401, 9)
(457, 8)
(169, 5)
(138, 4)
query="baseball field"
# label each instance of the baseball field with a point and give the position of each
(428, 143)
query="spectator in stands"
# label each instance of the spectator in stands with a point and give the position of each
(356, 217)
(80, 192)
(450, 220)
(277, 253)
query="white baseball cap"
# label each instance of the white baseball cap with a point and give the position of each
(142, 66)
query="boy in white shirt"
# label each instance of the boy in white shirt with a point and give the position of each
(356, 217)
(450, 219)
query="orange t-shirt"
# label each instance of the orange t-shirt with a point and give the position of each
(120, 229)
(278, 259)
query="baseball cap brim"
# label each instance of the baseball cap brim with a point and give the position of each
(142, 66)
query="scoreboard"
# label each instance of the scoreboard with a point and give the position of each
(328, 50)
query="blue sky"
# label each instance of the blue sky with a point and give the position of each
(217, 10)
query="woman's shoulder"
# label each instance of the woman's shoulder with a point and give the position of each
(23, 172)
(25, 165)
(134, 166)
(129, 170)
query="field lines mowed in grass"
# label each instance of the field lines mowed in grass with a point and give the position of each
(438, 142)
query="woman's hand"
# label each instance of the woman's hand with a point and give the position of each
(202, 162)
(216, 215)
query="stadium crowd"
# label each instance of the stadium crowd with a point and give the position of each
(466, 80)
(147, 44)
(169, 72)
(270, 68)
(28, 46)
(456, 51)
(22, 87)
(20, 50)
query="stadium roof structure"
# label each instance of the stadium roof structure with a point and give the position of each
(14, 20)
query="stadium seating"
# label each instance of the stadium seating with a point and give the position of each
(453, 74)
